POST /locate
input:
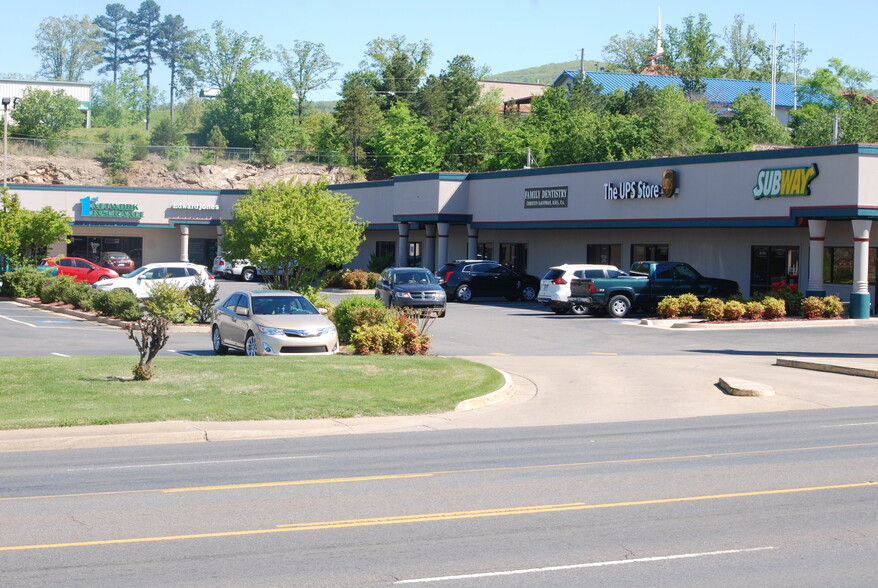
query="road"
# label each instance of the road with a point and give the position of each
(776, 499)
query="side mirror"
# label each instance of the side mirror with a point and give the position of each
(244, 312)
(322, 311)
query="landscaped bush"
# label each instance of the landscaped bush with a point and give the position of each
(712, 309)
(317, 298)
(378, 263)
(832, 307)
(359, 280)
(754, 309)
(775, 308)
(792, 299)
(24, 282)
(733, 310)
(387, 331)
(56, 289)
(689, 304)
(170, 301)
(341, 314)
(119, 303)
(81, 296)
(203, 299)
(812, 307)
(668, 307)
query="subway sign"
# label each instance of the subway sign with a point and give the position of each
(790, 181)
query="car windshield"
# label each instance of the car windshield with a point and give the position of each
(414, 277)
(282, 305)
(137, 272)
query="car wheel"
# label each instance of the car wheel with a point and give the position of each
(619, 306)
(578, 309)
(218, 346)
(102, 278)
(248, 274)
(464, 293)
(529, 293)
(250, 347)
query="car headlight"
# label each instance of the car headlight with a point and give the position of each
(270, 330)
(402, 295)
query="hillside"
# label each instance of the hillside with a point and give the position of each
(45, 169)
(543, 74)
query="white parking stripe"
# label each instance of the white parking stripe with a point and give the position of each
(580, 566)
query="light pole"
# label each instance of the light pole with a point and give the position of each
(6, 102)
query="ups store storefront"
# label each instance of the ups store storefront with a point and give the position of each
(794, 217)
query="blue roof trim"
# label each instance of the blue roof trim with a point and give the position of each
(173, 223)
(382, 227)
(718, 91)
(447, 176)
(645, 224)
(800, 152)
(435, 217)
(116, 189)
(831, 212)
(378, 184)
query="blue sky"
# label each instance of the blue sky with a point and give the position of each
(504, 36)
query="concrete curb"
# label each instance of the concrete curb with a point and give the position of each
(105, 320)
(834, 368)
(494, 397)
(740, 387)
(699, 324)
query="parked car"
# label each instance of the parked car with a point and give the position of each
(81, 270)
(271, 322)
(555, 285)
(118, 261)
(465, 279)
(238, 269)
(179, 273)
(647, 284)
(411, 287)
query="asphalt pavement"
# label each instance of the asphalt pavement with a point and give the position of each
(538, 392)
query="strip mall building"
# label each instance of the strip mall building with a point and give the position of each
(798, 217)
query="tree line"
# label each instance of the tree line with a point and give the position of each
(392, 118)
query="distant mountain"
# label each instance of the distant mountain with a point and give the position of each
(543, 74)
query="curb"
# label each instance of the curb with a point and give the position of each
(699, 324)
(494, 397)
(112, 322)
(830, 368)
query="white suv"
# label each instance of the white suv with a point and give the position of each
(138, 282)
(239, 269)
(555, 285)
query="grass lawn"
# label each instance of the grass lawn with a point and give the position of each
(70, 391)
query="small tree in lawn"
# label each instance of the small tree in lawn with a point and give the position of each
(153, 336)
(293, 231)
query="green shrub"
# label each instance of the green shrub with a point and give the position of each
(203, 297)
(792, 299)
(832, 307)
(712, 309)
(775, 308)
(81, 296)
(56, 289)
(387, 331)
(812, 307)
(733, 310)
(668, 307)
(317, 298)
(378, 263)
(119, 303)
(689, 304)
(170, 301)
(359, 280)
(341, 314)
(24, 282)
(754, 309)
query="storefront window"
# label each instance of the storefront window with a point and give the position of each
(604, 255)
(649, 253)
(773, 268)
(838, 265)
(514, 255)
(90, 248)
(414, 254)
(486, 251)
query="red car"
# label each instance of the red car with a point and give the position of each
(117, 261)
(82, 270)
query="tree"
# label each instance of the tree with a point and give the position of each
(357, 112)
(741, 42)
(451, 94)
(220, 61)
(404, 144)
(113, 25)
(119, 104)
(295, 230)
(628, 53)
(752, 123)
(398, 66)
(306, 68)
(255, 110)
(784, 64)
(830, 84)
(25, 234)
(143, 34)
(42, 114)
(175, 46)
(694, 52)
(68, 46)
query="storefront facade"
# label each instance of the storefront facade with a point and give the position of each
(794, 217)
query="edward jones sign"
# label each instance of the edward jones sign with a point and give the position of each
(546, 197)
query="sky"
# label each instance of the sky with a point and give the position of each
(501, 35)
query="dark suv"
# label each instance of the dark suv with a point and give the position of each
(412, 287)
(465, 279)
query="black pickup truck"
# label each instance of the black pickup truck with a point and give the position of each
(647, 284)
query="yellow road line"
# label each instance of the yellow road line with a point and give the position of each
(429, 517)
(443, 472)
